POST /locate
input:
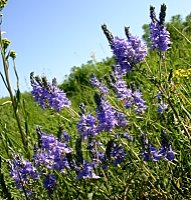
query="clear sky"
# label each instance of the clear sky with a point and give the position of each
(50, 37)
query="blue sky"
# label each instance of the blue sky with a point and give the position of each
(50, 37)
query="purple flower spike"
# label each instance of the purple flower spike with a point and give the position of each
(128, 51)
(96, 83)
(150, 152)
(139, 102)
(86, 126)
(129, 97)
(121, 89)
(106, 115)
(160, 37)
(49, 183)
(23, 172)
(118, 153)
(48, 95)
(52, 153)
(121, 119)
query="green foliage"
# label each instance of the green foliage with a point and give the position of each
(77, 85)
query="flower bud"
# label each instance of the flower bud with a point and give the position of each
(5, 43)
(2, 4)
(12, 54)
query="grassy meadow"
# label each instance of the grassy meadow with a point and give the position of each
(120, 136)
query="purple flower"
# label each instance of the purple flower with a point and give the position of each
(148, 152)
(48, 95)
(117, 72)
(162, 108)
(124, 93)
(166, 147)
(23, 172)
(128, 52)
(129, 97)
(64, 137)
(49, 142)
(114, 153)
(160, 37)
(87, 172)
(170, 155)
(127, 136)
(139, 47)
(121, 119)
(167, 153)
(87, 126)
(118, 154)
(151, 153)
(139, 102)
(96, 83)
(52, 153)
(106, 115)
(136, 101)
(49, 183)
(121, 89)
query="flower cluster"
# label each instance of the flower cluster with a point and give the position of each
(87, 126)
(87, 172)
(128, 52)
(150, 152)
(118, 153)
(130, 98)
(160, 37)
(96, 83)
(182, 73)
(49, 183)
(23, 172)
(51, 153)
(121, 89)
(48, 95)
(107, 116)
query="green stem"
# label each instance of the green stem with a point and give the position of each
(13, 99)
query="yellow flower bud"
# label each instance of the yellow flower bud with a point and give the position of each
(2, 4)
(5, 43)
(12, 54)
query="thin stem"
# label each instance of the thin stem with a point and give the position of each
(148, 67)
(181, 34)
(160, 67)
(16, 74)
(13, 99)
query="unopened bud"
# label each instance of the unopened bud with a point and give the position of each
(2, 3)
(12, 54)
(5, 43)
